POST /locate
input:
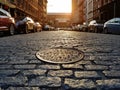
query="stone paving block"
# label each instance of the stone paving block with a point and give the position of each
(30, 57)
(35, 61)
(96, 67)
(3, 59)
(87, 74)
(110, 84)
(106, 62)
(23, 88)
(25, 66)
(5, 66)
(45, 81)
(35, 72)
(18, 61)
(60, 73)
(115, 67)
(84, 62)
(46, 67)
(77, 84)
(4, 73)
(112, 74)
(13, 81)
(72, 66)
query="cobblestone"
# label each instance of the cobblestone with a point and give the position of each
(72, 66)
(87, 74)
(48, 67)
(96, 67)
(13, 81)
(61, 73)
(23, 88)
(111, 84)
(45, 81)
(112, 74)
(20, 69)
(79, 84)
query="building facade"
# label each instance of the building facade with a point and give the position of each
(59, 20)
(81, 11)
(75, 12)
(42, 11)
(8, 5)
(106, 9)
(89, 10)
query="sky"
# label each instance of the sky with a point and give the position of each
(59, 6)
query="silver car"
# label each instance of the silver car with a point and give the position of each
(112, 26)
(25, 25)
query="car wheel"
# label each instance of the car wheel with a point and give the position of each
(95, 30)
(11, 29)
(105, 31)
(26, 29)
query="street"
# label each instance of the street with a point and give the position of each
(99, 69)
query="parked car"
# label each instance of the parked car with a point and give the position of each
(48, 27)
(37, 27)
(112, 26)
(95, 26)
(84, 27)
(7, 23)
(25, 25)
(76, 27)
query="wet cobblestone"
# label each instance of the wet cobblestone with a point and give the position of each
(20, 69)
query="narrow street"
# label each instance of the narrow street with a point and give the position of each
(99, 69)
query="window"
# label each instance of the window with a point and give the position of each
(2, 14)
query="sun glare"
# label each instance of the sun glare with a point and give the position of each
(59, 6)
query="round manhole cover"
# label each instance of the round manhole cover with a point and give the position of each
(60, 55)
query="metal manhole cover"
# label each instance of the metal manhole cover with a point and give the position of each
(60, 55)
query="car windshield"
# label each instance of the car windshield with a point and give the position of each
(28, 19)
(117, 19)
(5, 12)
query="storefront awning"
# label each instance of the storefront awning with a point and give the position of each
(7, 3)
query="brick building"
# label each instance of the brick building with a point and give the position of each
(81, 11)
(106, 9)
(75, 12)
(59, 19)
(8, 5)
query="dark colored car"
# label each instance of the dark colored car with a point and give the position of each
(25, 25)
(95, 26)
(112, 26)
(7, 23)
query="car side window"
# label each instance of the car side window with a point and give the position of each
(2, 14)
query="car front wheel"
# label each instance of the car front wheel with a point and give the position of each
(26, 29)
(11, 29)
(105, 31)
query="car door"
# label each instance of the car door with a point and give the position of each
(0, 18)
(3, 20)
(116, 26)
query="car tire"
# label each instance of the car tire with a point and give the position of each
(105, 31)
(11, 29)
(95, 30)
(26, 29)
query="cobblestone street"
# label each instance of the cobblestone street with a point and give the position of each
(20, 69)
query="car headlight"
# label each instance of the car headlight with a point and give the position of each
(13, 20)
